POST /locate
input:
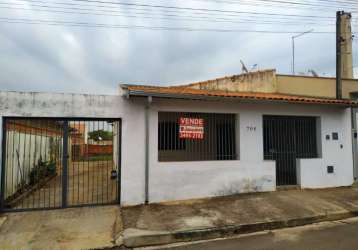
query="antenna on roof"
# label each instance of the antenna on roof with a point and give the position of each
(243, 67)
(255, 66)
(313, 72)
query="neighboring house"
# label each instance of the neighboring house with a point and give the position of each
(213, 138)
(77, 140)
(267, 81)
(78, 133)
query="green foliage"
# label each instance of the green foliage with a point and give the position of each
(42, 170)
(97, 134)
(97, 158)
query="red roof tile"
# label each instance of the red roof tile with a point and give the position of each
(186, 92)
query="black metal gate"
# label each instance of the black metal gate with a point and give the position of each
(54, 163)
(287, 138)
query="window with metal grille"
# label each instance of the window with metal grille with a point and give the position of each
(196, 136)
(296, 135)
(168, 131)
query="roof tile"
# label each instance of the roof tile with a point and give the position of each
(186, 92)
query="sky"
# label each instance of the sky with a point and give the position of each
(83, 59)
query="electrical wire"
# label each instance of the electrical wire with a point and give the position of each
(87, 11)
(204, 10)
(286, 19)
(100, 8)
(113, 26)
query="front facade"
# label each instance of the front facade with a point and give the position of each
(175, 143)
(250, 169)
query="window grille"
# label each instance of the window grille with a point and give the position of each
(196, 136)
(290, 133)
(286, 139)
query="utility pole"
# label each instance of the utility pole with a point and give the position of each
(293, 48)
(344, 58)
(339, 55)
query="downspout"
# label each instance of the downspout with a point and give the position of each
(147, 110)
(354, 142)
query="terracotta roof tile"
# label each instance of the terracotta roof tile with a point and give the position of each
(186, 92)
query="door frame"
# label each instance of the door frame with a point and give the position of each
(297, 151)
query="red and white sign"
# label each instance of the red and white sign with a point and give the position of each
(191, 128)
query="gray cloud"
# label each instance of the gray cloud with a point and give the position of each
(95, 60)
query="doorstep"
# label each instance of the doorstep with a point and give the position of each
(288, 187)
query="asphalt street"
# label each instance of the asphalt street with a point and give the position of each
(337, 235)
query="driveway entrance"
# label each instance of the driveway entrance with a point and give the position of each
(52, 163)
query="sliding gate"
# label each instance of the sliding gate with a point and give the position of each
(53, 163)
(286, 139)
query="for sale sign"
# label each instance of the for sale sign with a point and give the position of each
(191, 128)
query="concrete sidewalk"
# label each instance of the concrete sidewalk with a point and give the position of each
(226, 216)
(110, 227)
(72, 228)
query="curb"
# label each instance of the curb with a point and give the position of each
(142, 238)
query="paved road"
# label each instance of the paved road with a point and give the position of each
(339, 235)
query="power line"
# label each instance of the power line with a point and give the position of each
(202, 9)
(104, 25)
(282, 3)
(180, 18)
(195, 15)
(48, 8)
(353, 2)
(100, 7)
(189, 8)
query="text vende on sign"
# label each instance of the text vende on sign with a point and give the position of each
(191, 128)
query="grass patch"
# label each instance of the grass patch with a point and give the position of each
(97, 158)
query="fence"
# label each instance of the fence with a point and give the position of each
(48, 163)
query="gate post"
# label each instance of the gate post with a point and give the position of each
(64, 163)
(119, 160)
(2, 162)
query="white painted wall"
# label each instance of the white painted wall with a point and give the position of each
(313, 172)
(29, 104)
(19, 165)
(184, 180)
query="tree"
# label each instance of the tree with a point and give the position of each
(100, 135)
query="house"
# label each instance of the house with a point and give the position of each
(247, 133)
(267, 81)
(250, 141)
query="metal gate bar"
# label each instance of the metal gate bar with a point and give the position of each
(52, 163)
(287, 138)
(31, 166)
(92, 172)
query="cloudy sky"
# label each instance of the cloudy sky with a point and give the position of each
(53, 45)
